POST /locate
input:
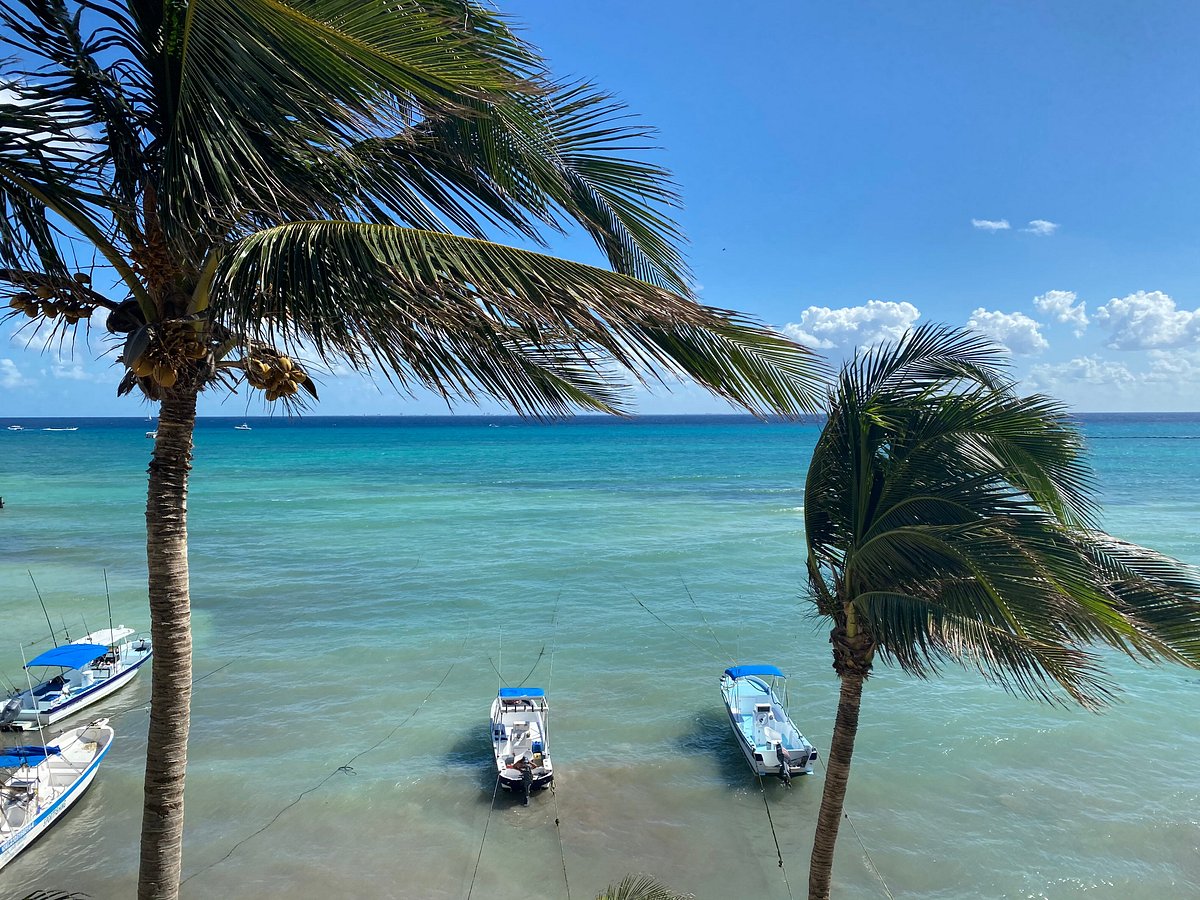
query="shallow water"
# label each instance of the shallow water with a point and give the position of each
(342, 568)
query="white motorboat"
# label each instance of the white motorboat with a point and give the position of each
(39, 783)
(245, 426)
(16, 427)
(88, 671)
(152, 434)
(772, 744)
(520, 741)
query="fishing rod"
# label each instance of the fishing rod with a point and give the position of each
(112, 638)
(46, 614)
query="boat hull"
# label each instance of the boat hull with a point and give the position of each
(28, 719)
(11, 844)
(520, 742)
(763, 730)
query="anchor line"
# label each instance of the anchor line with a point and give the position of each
(562, 850)
(346, 768)
(770, 819)
(866, 854)
(674, 631)
(483, 840)
(704, 619)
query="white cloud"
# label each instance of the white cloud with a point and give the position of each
(1041, 227)
(1062, 307)
(10, 375)
(1092, 370)
(991, 224)
(1016, 331)
(1148, 321)
(64, 365)
(854, 326)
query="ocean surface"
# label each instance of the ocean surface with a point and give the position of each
(360, 586)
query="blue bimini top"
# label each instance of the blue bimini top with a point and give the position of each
(69, 656)
(521, 693)
(15, 757)
(739, 671)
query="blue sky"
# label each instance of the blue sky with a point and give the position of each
(848, 170)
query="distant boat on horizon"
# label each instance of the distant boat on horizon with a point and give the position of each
(72, 428)
(152, 434)
(243, 427)
(16, 427)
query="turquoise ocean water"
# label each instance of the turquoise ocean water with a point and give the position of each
(348, 572)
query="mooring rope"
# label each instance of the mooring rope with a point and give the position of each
(770, 819)
(346, 768)
(674, 631)
(483, 840)
(866, 855)
(562, 850)
(704, 619)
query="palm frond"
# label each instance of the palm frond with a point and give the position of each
(340, 71)
(434, 308)
(640, 887)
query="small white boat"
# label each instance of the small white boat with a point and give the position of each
(88, 671)
(72, 428)
(771, 743)
(520, 741)
(16, 427)
(243, 427)
(39, 783)
(152, 434)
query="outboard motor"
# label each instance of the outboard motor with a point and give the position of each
(785, 764)
(9, 712)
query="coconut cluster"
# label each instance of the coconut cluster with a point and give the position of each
(278, 375)
(46, 301)
(168, 352)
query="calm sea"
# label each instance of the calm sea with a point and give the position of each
(358, 585)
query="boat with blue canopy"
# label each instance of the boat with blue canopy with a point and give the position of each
(74, 676)
(38, 783)
(520, 739)
(771, 743)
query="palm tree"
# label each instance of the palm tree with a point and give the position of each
(949, 519)
(266, 180)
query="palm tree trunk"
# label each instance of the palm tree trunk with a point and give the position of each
(170, 628)
(837, 773)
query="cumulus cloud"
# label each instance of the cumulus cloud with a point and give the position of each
(10, 375)
(991, 224)
(1148, 321)
(1061, 306)
(1087, 369)
(1041, 227)
(1016, 331)
(64, 365)
(854, 326)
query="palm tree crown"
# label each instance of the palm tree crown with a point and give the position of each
(950, 520)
